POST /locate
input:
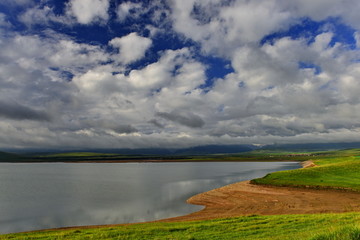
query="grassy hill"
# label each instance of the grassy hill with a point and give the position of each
(339, 169)
(10, 157)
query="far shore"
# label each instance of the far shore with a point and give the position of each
(152, 161)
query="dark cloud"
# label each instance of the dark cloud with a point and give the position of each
(186, 119)
(19, 112)
(125, 129)
(156, 123)
(101, 125)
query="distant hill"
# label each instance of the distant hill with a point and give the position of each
(10, 157)
(27, 154)
(312, 146)
(215, 149)
(122, 154)
(198, 150)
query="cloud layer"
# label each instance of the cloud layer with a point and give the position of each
(144, 80)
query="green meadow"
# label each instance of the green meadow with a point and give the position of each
(336, 169)
(339, 170)
(299, 227)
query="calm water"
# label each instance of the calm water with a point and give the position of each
(51, 195)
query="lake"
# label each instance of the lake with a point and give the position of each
(51, 195)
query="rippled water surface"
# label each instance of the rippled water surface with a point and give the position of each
(51, 195)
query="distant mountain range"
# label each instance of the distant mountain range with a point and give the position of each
(4, 156)
(312, 146)
(198, 150)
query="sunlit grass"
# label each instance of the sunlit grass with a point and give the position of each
(344, 233)
(340, 170)
(251, 227)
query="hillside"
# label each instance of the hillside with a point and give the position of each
(11, 157)
(337, 169)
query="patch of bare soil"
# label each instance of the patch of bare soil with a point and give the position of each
(243, 198)
(308, 164)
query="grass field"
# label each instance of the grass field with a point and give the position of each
(252, 227)
(338, 169)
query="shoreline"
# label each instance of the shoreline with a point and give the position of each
(151, 161)
(245, 199)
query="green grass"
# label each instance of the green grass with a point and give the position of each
(277, 227)
(340, 169)
(345, 233)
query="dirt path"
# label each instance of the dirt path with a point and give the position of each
(244, 198)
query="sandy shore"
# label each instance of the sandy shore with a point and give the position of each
(243, 198)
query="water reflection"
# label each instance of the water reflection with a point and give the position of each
(39, 196)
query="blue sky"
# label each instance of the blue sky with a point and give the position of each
(172, 73)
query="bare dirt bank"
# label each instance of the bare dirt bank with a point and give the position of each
(243, 198)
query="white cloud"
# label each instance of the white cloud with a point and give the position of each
(220, 27)
(317, 10)
(176, 71)
(223, 28)
(71, 54)
(131, 47)
(156, 74)
(251, 21)
(97, 83)
(123, 10)
(92, 81)
(348, 84)
(43, 15)
(156, 11)
(320, 10)
(89, 11)
(32, 72)
(3, 21)
(357, 39)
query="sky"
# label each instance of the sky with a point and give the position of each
(178, 73)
